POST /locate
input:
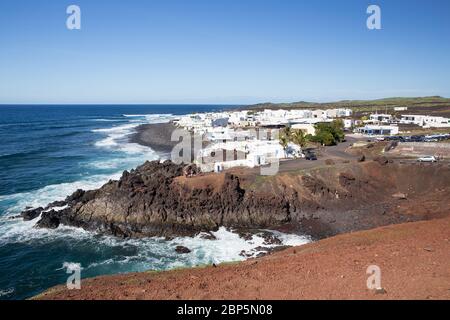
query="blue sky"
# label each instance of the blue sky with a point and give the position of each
(221, 51)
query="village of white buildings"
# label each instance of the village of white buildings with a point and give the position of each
(251, 138)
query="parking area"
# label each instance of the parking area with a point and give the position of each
(416, 150)
(418, 138)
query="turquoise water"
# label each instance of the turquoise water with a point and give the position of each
(46, 153)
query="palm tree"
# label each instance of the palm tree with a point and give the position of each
(298, 137)
(287, 131)
(284, 141)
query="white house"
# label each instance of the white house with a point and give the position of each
(338, 113)
(426, 121)
(381, 118)
(378, 130)
(348, 123)
(320, 114)
(436, 122)
(307, 128)
(220, 156)
(412, 119)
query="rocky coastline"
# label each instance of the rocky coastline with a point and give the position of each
(169, 200)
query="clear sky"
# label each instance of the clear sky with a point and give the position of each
(222, 51)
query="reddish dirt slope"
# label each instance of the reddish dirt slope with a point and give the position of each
(414, 259)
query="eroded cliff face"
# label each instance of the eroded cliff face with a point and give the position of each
(165, 199)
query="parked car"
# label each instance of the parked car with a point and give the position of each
(427, 159)
(310, 156)
(417, 138)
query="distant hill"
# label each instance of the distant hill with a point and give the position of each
(435, 105)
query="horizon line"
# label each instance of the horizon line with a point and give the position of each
(212, 104)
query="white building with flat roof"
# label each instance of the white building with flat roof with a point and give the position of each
(425, 121)
(348, 123)
(381, 118)
(226, 155)
(378, 130)
(307, 128)
(338, 113)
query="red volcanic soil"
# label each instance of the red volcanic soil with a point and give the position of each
(414, 259)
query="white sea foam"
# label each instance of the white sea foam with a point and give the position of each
(123, 129)
(289, 239)
(229, 245)
(16, 230)
(117, 137)
(19, 231)
(134, 115)
(160, 118)
(55, 192)
(106, 120)
(151, 115)
(56, 208)
(71, 266)
(156, 253)
(6, 292)
(111, 164)
(150, 118)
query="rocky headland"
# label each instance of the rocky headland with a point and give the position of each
(166, 199)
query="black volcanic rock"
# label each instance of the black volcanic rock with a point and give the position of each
(31, 214)
(171, 200)
(49, 220)
(56, 204)
(182, 250)
(147, 202)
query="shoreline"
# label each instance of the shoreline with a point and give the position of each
(156, 136)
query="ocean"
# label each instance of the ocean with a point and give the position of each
(48, 152)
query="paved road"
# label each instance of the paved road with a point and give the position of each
(336, 153)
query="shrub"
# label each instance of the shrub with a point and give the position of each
(329, 134)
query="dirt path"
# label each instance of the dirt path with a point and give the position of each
(414, 259)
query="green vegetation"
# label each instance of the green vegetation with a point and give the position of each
(328, 134)
(295, 136)
(284, 141)
(298, 137)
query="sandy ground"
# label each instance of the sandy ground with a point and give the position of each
(414, 259)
